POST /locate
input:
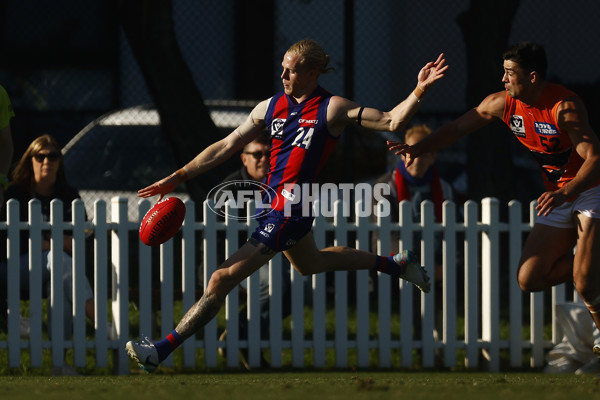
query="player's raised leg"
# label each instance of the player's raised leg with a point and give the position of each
(308, 259)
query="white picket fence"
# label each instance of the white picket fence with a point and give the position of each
(481, 308)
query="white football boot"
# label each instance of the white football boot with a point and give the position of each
(144, 353)
(413, 271)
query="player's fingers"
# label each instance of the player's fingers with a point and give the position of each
(146, 192)
(544, 211)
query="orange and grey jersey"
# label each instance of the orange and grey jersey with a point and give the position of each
(536, 127)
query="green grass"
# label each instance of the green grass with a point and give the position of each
(306, 385)
(395, 356)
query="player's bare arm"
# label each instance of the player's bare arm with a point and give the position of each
(572, 118)
(213, 155)
(342, 112)
(490, 108)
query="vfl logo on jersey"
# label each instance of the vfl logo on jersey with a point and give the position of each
(544, 128)
(277, 128)
(517, 125)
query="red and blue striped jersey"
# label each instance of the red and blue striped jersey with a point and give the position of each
(301, 143)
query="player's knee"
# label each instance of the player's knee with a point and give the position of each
(589, 292)
(220, 283)
(528, 282)
(305, 270)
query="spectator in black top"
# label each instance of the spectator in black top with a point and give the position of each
(40, 174)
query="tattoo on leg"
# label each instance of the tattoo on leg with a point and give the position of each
(263, 249)
(199, 315)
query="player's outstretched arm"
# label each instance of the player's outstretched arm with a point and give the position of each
(209, 158)
(397, 119)
(212, 156)
(163, 186)
(492, 107)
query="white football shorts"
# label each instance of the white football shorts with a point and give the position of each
(587, 203)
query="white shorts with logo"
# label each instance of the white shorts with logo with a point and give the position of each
(587, 203)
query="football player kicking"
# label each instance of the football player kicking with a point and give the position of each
(305, 122)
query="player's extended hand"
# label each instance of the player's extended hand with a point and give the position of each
(162, 187)
(402, 148)
(432, 72)
(548, 201)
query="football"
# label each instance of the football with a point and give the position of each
(162, 221)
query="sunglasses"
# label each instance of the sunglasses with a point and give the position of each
(259, 154)
(40, 157)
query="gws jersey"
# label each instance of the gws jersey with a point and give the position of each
(301, 144)
(536, 127)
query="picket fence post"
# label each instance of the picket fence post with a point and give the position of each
(56, 283)
(100, 228)
(35, 281)
(120, 279)
(449, 278)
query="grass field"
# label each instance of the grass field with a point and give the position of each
(305, 386)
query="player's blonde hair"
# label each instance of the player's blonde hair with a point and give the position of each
(416, 129)
(311, 54)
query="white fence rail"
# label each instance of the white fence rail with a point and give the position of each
(471, 329)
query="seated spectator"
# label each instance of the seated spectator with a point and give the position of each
(40, 175)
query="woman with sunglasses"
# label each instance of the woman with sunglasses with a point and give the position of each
(40, 174)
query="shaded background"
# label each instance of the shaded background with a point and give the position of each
(65, 63)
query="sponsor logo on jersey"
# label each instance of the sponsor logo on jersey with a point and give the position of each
(517, 125)
(308, 122)
(277, 128)
(544, 128)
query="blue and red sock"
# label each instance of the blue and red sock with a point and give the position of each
(387, 265)
(167, 345)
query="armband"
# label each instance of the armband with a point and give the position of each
(359, 118)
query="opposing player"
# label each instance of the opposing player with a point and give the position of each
(305, 122)
(552, 122)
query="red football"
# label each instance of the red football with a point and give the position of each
(162, 221)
